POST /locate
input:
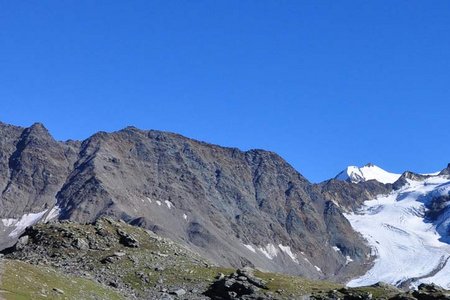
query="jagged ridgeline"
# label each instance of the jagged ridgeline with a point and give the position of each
(235, 208)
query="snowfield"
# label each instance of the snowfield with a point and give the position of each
(409, 250)
(22, 223)
(19, 225)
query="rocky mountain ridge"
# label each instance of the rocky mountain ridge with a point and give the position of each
(234, 207)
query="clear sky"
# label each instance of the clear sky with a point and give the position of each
(325, 84)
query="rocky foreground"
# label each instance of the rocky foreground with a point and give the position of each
(113, 260)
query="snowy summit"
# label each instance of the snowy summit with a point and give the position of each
(368, 172)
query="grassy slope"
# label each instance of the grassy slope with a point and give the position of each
(25, 281)
(181, 268)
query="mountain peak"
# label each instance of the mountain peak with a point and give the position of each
(368, 172)
(446, 171)
(38, 129)
(38, 125)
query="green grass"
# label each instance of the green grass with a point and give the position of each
(288, 285)
(377, 293)
(22, 281)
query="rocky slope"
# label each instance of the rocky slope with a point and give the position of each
(129, 261)
(235, 208)
(113, 260)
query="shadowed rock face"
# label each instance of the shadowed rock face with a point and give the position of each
(211, 198)
(446, 171)
(349, 196)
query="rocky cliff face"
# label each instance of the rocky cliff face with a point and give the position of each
(33, 168)
(234, 207)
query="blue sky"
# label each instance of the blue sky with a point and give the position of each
(323, 83)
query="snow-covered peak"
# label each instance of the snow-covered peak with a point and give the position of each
(368, 172)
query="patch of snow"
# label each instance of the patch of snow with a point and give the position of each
(169, 204)
(336, 249)
(9, 222)
(348, 259)
(158, 202)
(185, 216)
(368, 172)
(288, 251)
(24, 222)
(335, 203)
(149, 200)
(250, 247)
(270, 251)
(405, 245)
(318, 269)
(432, 174)
(53, 213)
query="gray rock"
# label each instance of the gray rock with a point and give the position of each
(178, 292)
(228, 283)
(166, 296)
(80, 244)
(22, 242)
(235, 287)
(59, 291)
(127, 239)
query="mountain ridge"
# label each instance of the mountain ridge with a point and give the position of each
(235, 207)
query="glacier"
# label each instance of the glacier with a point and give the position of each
(407, 247)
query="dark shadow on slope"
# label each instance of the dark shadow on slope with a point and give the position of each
(438, 212)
